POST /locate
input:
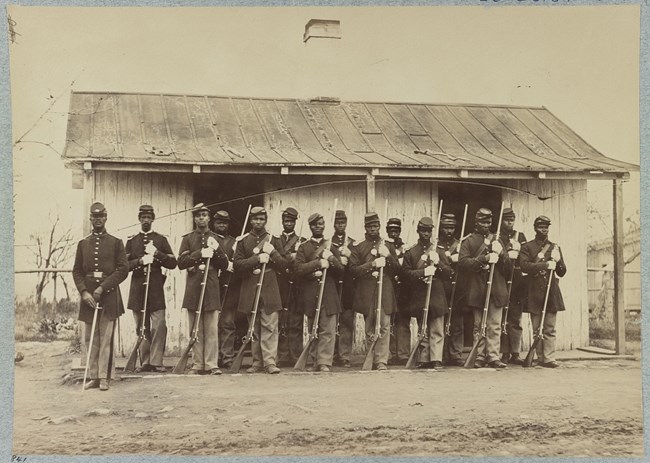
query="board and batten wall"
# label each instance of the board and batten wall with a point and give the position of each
(171, 195)
(566, 208)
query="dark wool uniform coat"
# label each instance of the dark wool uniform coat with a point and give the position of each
(163, 257)
(413, 271)
(449, 269)
(473, 262)
(365, 292)
(518, 291)
(537, 279)
(189, 257)
(286, 245)
(246, 261)
(346, 280)
(400, 284)
(307, 263)
(227, 279)
(100, 261)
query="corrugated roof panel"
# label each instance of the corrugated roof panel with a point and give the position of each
(130, 127)
(104, 140)
(445, 140)
(206, 141)
(228, 130)
(302, 133)
(346, 131)
(154, 126)
(361, 118)
(253, 132)
(405, 119)
(78, 134)
(180, 131)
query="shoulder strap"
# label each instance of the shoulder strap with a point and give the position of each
(543, 251)
(292, 241)
(483, 245)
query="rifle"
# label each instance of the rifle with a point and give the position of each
(243, 229)
(367, 363)
(504, 323)
(302, 360)
(236, 364)
(422, 334)
(471, 358)
(130, 363)
(90, 344)
(454, 283)
(179, 369)
(538, 337)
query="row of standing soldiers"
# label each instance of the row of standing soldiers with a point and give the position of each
(290, 289)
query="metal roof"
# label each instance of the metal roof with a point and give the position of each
(213, 130)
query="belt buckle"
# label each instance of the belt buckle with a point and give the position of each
(97, 274)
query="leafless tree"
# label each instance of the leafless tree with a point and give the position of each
(51, 249)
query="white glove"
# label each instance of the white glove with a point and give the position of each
(429, 271)
(379, 262)
(434, 257)
(551, 264)
(516, 245)
(327, 254)
(264, 258)
(345, 251)
(318, 274)
(383, 250)
(513, 254)
(147, 259)
(454, 257)
(268, 248)
(493, 258)
(324, 263)
(207, 252)
(231, 267)
(496, 247)
(150, 248)
(213, 244)
(555, 254)
(344, 260)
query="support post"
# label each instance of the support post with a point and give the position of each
(370, 193)
(619, 268)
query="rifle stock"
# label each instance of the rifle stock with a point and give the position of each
(528, 361)
(236, 364)
(538, 337)
(411, 362)
(302, 360)
(133, 357)
(179, 368)
(368, 361)
(130, 363)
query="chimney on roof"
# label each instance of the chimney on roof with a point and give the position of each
(322, 28)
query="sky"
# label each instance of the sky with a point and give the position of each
(582, 63)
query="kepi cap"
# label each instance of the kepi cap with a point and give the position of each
(508, 213)
(542, 220)
(370, 217)
(257, 210)
(425, 223)
(97, 209)
(222, 216)
(448, 219)
(290, 213)
(394, 223)
(483, 214)
(200, 207)
(146, 209)
(340, 214)
(314, 217)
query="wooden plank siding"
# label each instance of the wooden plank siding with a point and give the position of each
(568, 228)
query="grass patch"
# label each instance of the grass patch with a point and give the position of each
(45, 321)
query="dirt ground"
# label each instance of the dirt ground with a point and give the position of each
(590, 408)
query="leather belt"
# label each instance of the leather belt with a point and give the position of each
(95, 275)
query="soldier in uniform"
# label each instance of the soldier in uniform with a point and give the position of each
(422, 262)
(477, 253)
(149, 251)
(366, 260)
(196, 247)
(99, 267)
(511, 340)
(313, 257)
(400, 330)
(291, 317)
(448, 249)
(345, 288)
(229, 287)
(540, 259)
(253, 250)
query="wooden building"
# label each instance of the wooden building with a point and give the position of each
(173, 151)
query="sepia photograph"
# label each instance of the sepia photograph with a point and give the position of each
(381, 231)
